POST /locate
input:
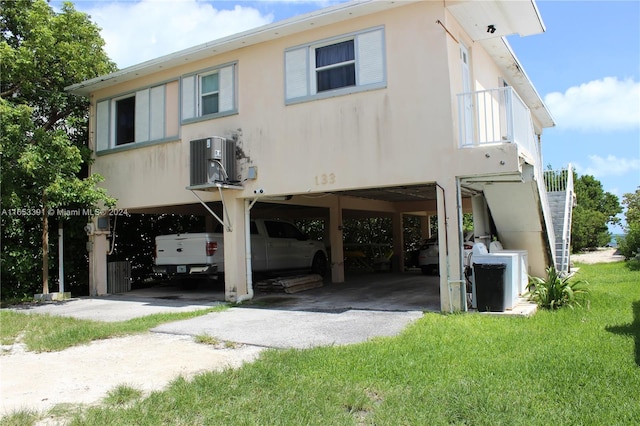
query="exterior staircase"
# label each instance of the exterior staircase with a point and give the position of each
(561, 198)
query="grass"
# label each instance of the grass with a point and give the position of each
(45, 333)
(122, 395)
(569, 367)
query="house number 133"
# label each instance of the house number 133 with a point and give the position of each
(325, 179)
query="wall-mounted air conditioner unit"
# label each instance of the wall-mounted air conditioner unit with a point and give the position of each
(213, 160)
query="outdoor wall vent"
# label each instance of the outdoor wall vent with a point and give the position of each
(213, 160)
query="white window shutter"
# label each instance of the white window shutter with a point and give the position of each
(370, 57)
(226, 95)
(296, 73)
(102, 126)
(156, 116)
(142, 116)
(188, 97)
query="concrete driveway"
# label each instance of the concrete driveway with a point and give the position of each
(365, 307)
(333, 315)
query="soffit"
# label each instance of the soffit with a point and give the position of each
(507, 17)
(399, 194)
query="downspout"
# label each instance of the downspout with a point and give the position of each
(247, 248)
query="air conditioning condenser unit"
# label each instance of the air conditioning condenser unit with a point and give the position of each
(213, 160)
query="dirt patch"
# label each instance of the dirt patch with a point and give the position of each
(85, 374)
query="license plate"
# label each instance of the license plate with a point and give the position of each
(182, 269)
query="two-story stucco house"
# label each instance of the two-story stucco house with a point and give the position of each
(392, 107)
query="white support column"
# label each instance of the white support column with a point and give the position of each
(98, 247)
(452, 287)
(337, 247)
(235, 273)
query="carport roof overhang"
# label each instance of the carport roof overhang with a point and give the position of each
(404, 198)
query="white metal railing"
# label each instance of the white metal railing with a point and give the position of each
(495, 116)
(566, 223)
(562, 181)
(558, 181)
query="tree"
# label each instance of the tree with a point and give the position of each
(629, 245)
(595, 210)
(44, 128)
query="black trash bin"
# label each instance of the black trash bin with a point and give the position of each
(489, 279)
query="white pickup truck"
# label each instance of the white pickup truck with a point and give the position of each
(276, 245)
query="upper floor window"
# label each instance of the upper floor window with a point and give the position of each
(125, 120)
(341, 65)
(335, 66)
(149, 114)
(209, 94)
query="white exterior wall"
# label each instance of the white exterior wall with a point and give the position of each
(403, 134)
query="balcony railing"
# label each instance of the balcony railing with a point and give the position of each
(495, 116)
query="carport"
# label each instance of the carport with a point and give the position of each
(380, 290)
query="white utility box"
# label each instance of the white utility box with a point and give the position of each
(512, 279)
(523, 264)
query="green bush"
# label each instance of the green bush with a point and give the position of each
(629, 245)
(554, 292)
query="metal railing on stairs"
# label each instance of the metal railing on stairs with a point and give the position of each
(562, 182)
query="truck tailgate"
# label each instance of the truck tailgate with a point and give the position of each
(181, 249)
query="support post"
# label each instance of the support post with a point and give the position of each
(397, 260)
(98, 247)
(337, 244)
(452, 290)
(60, 256)
(235, 271)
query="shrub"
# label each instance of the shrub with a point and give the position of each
(629, 245)
(554, 292)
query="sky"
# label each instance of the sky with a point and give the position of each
(586, 66)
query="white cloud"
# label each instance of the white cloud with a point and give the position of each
(608, 104)
(609, 166)
(135, 32)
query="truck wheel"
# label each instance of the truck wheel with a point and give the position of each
(319, 264)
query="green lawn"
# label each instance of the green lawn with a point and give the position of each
(565, 367)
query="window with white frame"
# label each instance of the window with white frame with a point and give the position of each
(209, 94)
(143, 116)
(341, 65)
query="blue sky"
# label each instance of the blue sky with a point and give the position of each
(586, 67)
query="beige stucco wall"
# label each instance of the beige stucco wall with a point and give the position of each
(405, 133)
